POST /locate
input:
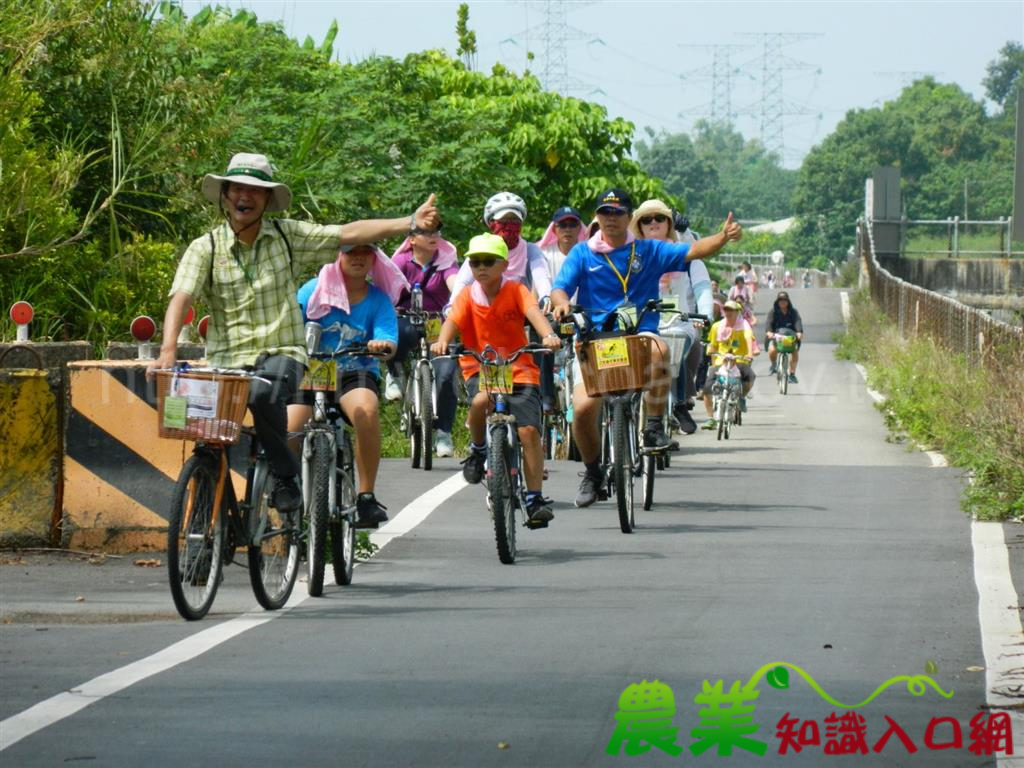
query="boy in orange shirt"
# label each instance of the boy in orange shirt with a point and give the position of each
(493, 311)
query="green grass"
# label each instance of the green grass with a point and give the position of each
(974, 415)
(937, 245)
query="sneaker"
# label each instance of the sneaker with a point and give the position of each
(743, 405)
(773, 369)
(473, 466)
(792, 379)
(709, 424)
(443, 444)
(369, 512)
(682, 415)
(538, 510)
(286, 496)
(590, 489)
(391, 389)
(656, 438)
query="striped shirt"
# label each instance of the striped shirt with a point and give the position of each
(250, 290)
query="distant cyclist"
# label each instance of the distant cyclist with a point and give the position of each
(732, 335)
(783, 318)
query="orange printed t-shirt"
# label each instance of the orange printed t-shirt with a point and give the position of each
(499, 324)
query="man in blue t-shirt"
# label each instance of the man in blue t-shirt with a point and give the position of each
(608, 271)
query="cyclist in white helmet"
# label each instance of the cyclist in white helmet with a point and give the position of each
(504, 215)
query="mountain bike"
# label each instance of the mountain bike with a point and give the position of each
(419, 398)
(207, 523)
(328, 472)
(506, 484)
(726, 393)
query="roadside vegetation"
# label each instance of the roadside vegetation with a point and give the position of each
(974, 415)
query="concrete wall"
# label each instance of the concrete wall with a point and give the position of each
(992, 283)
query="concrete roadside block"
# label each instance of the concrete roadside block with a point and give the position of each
(29, 457)
(31, 432)
(119, 475)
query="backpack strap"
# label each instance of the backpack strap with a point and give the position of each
(287, 245)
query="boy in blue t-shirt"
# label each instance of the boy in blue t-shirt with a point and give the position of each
(370, 319)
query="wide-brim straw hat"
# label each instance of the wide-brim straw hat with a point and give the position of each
(652, 208)
(254, 171)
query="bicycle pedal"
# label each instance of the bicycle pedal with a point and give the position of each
(534, 524)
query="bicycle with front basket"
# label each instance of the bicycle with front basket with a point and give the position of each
(328, 472)
(506, 485)
(207, 523)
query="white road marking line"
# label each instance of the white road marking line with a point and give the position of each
(1002, 636)
(56, 708)
(878, 397)
(844, 299)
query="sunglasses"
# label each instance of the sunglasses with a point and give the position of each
(567, 224)
(477, 263)
(659, 218)
(612, 212)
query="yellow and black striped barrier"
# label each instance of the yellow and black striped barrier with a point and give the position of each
(118, 475)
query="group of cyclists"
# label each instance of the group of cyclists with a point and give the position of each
(506, 292)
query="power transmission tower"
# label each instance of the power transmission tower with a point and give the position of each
(553, 35)
(773, 106)
(721, 72)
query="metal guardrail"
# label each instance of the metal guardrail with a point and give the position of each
(961, 237)
(959, 328)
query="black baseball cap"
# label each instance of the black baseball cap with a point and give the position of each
(614, 198)
(565, 212)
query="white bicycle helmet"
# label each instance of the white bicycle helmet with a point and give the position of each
(502, 203)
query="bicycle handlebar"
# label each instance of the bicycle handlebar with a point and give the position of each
(490, 355)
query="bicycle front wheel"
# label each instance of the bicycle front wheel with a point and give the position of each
(723, 415)
(195, 538)
(500, 492)
(623, 458)
(425, 407)
(343, 531)
(319, 511)
(274, 547)
(783, 373)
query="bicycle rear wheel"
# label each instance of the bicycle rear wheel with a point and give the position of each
(623, 463)
(274, 557)
(343, 532)
(195, 538)
(425, 409)
(500, 491)
(319, 511)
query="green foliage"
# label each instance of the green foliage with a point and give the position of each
(1004, 75)
(939, 138)
(973, 414)
(717, 171)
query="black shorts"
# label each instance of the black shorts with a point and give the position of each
(523, 403)
(349, 380)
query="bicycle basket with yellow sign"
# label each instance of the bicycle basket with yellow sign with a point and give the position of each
(614, 364)
(496, 379)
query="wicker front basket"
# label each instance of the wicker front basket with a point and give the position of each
(225, 427)
(624, 370)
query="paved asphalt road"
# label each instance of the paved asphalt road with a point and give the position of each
(806, 539)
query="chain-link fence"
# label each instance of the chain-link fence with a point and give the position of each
(958, 327)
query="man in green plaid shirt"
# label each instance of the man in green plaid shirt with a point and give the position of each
(247, 271)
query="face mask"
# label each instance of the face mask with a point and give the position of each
(509, 231)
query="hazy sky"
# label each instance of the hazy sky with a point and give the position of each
(650, 62)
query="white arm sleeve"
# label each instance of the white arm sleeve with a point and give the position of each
(700, 280)
(538, 266)
(462, 279)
